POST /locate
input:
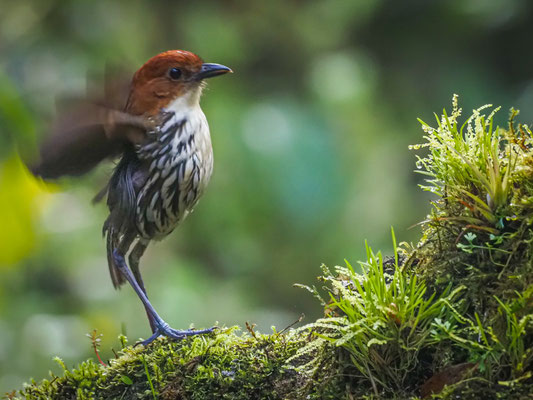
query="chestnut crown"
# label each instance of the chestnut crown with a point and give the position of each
(167, 76)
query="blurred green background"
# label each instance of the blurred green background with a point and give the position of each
(310, 137)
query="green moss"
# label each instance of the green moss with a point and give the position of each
(222, 365)
(450, 317)
(479, 234)
(479, 231)
(384, 320)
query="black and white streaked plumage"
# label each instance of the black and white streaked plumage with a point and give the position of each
(157, 184)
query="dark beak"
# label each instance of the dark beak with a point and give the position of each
(210, 70)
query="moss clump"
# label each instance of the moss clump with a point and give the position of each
(222, 365)
(383, 317)
(480, 235)
(448, 318)
(479, 231)
(455, 310)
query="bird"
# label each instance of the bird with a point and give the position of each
(162, 140)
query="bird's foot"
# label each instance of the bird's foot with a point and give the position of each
(163, 329)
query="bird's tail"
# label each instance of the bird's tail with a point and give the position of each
(119, 229)
(112, 244)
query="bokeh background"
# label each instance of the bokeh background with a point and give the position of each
(311, 157)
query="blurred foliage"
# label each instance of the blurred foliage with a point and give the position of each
(309, 137)
(18, 205)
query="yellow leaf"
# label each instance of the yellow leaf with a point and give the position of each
(22, 197)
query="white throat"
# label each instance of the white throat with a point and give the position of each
(186, 104)
(186, 110)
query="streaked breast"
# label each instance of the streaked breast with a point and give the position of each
(180, 159)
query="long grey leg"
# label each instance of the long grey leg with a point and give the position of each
(133, 259)
(161, 327)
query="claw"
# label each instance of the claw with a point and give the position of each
(175, 334)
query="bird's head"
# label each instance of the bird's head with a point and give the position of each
(168, 76)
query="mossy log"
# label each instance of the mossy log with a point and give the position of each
(221, 365)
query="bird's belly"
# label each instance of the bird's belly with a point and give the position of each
(179, 174)
(170, 195)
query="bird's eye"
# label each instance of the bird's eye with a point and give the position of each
(174, 73)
